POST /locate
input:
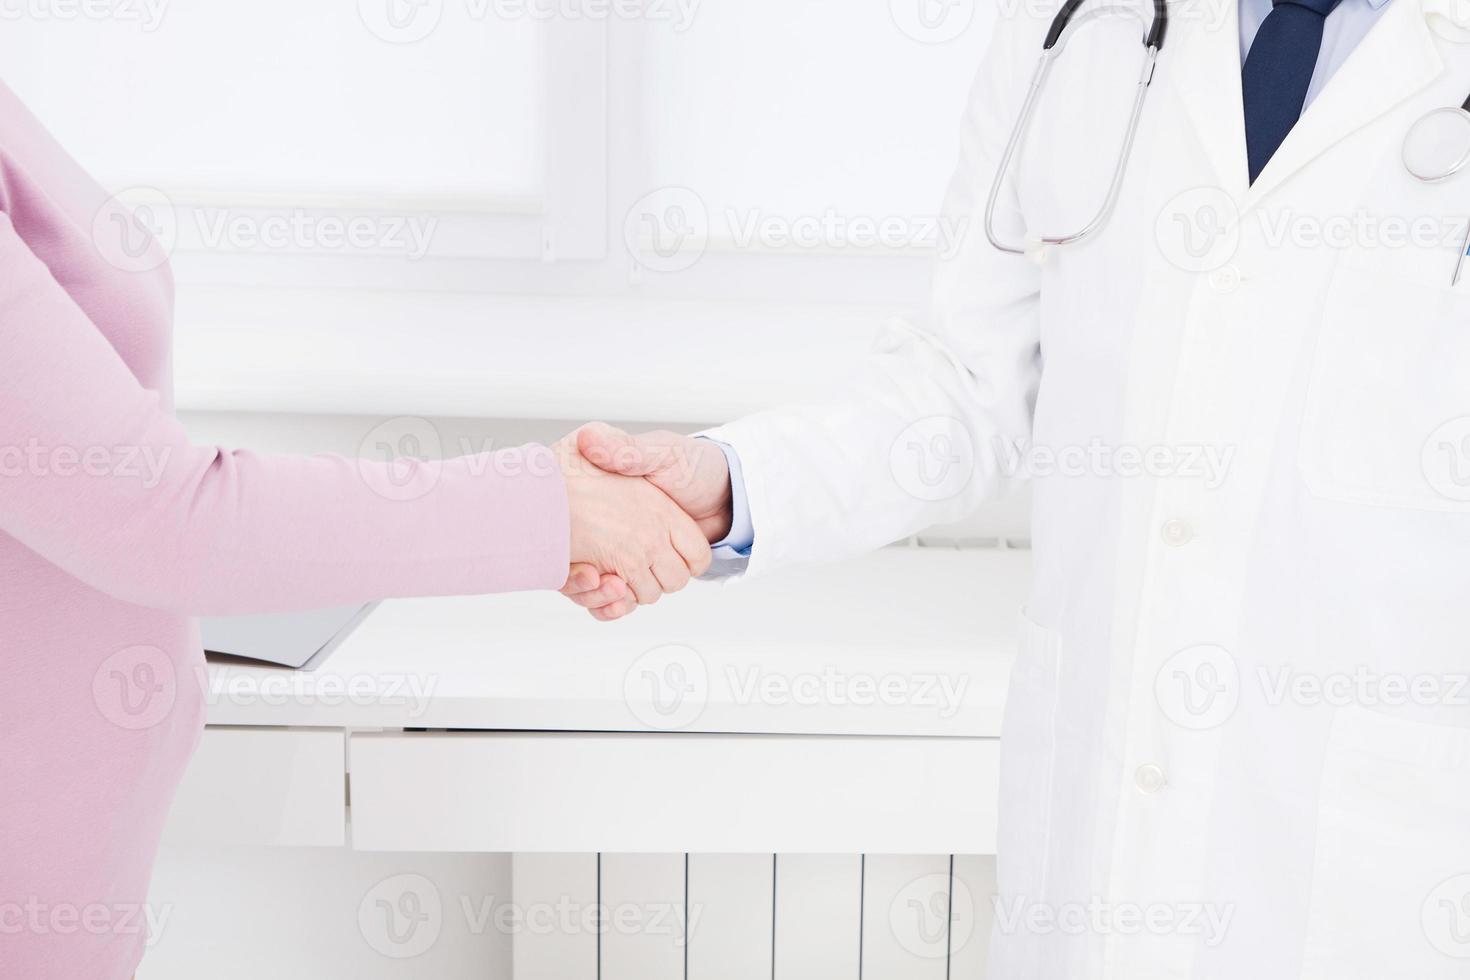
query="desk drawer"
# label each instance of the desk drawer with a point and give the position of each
(263, 786)
(670, 793)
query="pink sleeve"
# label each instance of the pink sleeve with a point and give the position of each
(98, 478)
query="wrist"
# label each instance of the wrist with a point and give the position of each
(724, 517)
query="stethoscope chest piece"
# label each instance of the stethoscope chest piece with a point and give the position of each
(1437, 146)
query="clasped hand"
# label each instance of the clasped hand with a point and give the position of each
(643, 512)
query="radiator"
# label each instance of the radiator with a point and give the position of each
(753, 917)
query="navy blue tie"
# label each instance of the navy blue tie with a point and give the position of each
(1278, 71)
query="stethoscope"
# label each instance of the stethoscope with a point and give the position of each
(1436, 148)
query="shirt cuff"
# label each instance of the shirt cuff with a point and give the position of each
(740, 540)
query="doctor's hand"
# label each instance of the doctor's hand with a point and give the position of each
(691, 472)
(625, 528)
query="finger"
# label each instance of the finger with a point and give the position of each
(616, 611)
(691, 544)
(612, 590)
(582, 578)
(644, 586)
(610, 448)
(671, 571)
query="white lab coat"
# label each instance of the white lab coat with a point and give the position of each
(1176, 800)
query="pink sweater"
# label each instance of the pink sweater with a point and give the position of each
(114, 530)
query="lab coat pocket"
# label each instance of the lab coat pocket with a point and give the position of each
(1391, 878)
(1387, 416)
(1027, 763)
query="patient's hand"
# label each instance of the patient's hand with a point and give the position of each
(628, 532)
(692, 472)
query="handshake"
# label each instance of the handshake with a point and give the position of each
(644, 510)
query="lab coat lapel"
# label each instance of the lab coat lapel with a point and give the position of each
(1395, 60)
(1203, 52)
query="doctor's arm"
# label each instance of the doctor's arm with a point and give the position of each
(929, 430)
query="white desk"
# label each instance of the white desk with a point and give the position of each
(844, 709)
(818, 715)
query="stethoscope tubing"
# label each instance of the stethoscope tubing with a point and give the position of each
(1153, 39)
(1120, 168)
(1153, 43)
(1050, 50)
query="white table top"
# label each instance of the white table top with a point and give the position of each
(903, 642)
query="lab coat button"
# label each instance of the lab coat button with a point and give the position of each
(1149, 778)
(1177, 533)
(1225, 279)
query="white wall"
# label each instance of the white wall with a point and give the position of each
(557, 211)
(290, 96)
(497, 123)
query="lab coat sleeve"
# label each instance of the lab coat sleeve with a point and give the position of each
(953, 388)
(100, 479)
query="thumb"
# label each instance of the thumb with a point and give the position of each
(610, 448)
